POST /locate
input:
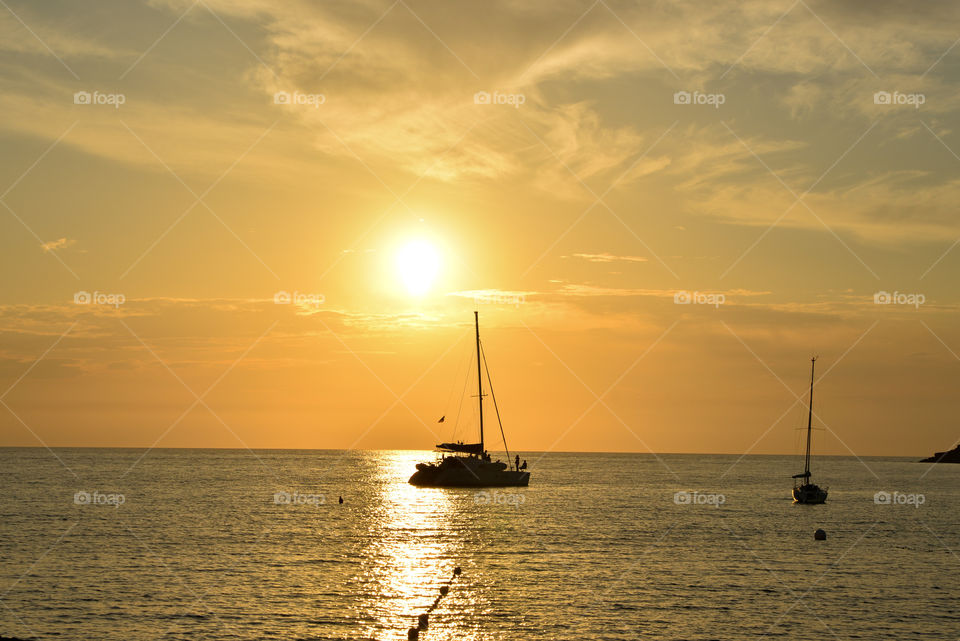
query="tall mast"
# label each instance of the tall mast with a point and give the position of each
(806, 466)
(476, 322)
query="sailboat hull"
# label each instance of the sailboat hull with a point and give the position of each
(809, 494)
(459, 471)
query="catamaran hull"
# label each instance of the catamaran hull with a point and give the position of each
(434, 477)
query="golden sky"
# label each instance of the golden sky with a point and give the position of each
(661, 211)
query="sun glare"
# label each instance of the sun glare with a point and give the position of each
(418, 263)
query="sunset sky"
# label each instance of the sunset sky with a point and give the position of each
(577, 210)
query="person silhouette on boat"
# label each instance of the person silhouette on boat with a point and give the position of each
(524, 466)
(516, 462)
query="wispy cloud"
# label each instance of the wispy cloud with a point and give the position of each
(608, 258)
(60, 243)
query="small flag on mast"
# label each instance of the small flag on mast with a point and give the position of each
(441, 418)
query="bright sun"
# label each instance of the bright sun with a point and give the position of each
(418, 263)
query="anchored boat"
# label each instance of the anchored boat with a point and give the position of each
(469, 464)
(803, 490)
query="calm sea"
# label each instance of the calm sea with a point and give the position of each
(239, 545)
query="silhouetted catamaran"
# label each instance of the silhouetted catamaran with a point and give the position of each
(803, 490)
(469, 464)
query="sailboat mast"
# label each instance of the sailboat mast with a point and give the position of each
(806, 465)
(476, 323)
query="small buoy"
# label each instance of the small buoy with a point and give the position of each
(820, 535)
(341, 500)
(422, 621)
(444, 589)
(413, 634)
(456, 571)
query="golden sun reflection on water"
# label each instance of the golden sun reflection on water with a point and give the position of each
(414, 544)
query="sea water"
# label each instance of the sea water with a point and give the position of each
(238, 545)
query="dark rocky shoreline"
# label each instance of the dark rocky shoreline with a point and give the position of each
(950, 456)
